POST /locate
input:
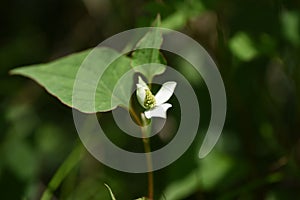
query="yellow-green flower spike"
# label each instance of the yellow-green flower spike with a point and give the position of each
(149, 100)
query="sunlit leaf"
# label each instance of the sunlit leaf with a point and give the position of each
(211, 169)
(182, 188)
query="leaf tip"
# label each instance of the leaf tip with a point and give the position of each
(157, 21)
(110, 192)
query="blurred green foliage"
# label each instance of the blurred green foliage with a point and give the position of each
(256, 45)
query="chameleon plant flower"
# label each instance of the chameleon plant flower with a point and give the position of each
(155, 106)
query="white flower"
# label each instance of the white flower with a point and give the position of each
(155, 106)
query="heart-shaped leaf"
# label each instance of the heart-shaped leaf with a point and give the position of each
(85, 80)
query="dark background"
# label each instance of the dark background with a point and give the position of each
(256, 45)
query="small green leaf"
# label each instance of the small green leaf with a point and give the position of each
(148, 52)
(242, 47)
(110, 192)
(58, 78)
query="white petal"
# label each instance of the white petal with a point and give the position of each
(158, 111)
(140, 91)
(140, 94)
(165, 92)
(142, 82)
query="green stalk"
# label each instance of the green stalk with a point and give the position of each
(72, 160)
(146, 141)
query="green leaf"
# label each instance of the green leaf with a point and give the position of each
(181, 189)
(242, 47)
(110, 192)
(206, 175)
(148, 52)
(58, 78)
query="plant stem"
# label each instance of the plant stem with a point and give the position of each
(147, 148)
(150, 168)
(136, 118)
